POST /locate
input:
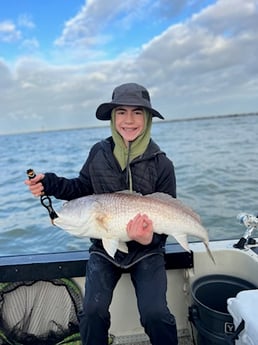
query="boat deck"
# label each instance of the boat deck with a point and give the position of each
(181, 341)
(141, 339)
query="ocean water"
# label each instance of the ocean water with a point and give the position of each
(216, 164)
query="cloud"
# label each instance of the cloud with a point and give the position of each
(203, 65)
(9, 32)
(6, 76)
(26, 21)
(98, 24)
(228, 17)
(85, 27)
(30, 45)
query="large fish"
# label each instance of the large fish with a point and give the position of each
(105, 216)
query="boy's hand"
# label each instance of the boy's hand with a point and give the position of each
(140, 229)
(35, 186)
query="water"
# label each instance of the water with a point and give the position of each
(215, 161)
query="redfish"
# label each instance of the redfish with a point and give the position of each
(105, 216)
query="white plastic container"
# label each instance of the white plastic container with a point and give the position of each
(245, 307)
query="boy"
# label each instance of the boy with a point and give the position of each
(128, 160)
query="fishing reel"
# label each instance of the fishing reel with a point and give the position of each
(251, 223)
(248, 220)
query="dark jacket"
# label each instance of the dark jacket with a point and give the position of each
(101, 173)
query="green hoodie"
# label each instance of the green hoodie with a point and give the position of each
(124, 154)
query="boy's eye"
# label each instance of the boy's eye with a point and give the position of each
(120, 112)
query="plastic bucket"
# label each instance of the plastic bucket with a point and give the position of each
(209, 313)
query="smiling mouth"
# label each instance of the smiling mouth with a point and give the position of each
(126, 129)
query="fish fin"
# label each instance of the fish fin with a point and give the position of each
(123, 247)
(176, 202)
(159, 196)
(110, 246)
(182, 240)
(210, 253)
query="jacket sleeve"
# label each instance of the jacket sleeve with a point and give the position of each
(64, 188)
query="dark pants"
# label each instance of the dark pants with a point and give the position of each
(150, 283)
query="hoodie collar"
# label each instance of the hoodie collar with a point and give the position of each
(136, 148)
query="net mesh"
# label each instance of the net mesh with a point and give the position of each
(39, 312)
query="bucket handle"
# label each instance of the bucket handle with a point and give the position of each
(195, 320)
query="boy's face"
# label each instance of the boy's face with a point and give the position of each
(129, 122)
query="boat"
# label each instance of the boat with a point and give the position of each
(198, 294)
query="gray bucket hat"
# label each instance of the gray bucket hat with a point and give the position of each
(130, 94)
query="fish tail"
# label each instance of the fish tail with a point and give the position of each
(210, 253)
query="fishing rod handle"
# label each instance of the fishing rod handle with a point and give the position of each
(31, 174)
(44, 199)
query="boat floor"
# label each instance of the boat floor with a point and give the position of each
(183, 339)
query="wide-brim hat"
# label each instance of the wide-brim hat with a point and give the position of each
(130, 94)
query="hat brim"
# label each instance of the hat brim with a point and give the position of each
(104, 110)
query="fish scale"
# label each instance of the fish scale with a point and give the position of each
(105, 216)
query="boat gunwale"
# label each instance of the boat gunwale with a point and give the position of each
(45, 266)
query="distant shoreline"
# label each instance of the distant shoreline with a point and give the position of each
(211, 117)
(185, 119)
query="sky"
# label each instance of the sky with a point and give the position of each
(60, 59)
